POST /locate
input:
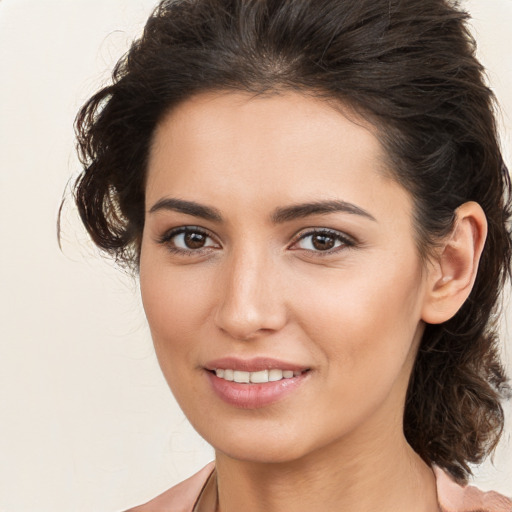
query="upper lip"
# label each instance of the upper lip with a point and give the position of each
(255, 364)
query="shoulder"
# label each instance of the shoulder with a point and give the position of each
(458, 498)
(180, 498)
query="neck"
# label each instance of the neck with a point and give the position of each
(387, 477)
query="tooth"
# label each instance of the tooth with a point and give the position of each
(239, 376)
(259, 377)
(275, 374)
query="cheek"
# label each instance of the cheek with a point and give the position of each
(174, 303)
(175, 314)
(364, 319)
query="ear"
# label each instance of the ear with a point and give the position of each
(452, 272)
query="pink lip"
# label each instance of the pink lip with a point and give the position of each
(253, 396)
(255, 364)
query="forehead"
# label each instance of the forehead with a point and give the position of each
(289, 146)
(286, 120)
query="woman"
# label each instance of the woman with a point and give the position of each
(314, 198)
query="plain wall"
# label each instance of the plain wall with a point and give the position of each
(86, 420)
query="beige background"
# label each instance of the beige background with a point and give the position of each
(86, 420)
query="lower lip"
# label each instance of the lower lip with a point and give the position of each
(254, 396)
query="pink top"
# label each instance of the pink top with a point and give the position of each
(452, 496)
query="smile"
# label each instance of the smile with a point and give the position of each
(257, 382)
(259, 377)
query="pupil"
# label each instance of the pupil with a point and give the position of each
(194, 240)
(323, 242)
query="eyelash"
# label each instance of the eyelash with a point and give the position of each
(167, 238)
(346, 241)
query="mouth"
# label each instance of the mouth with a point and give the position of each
(255, 383)
(258, 377)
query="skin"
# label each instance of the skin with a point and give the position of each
(353, 314)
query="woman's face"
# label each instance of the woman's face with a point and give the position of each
(276, 240)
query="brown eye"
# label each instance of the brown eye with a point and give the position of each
(187, 240)
(323, 242)
(195, 240)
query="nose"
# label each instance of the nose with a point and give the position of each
(251, 298)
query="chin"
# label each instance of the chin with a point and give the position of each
(270, 454)
(279, 444)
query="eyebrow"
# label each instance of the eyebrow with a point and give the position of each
(298, 211)
(279, 216)
(187, 207)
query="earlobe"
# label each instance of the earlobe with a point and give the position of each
(453, 272)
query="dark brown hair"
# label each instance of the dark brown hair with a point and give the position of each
(409, 67)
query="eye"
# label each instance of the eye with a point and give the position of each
(323, 240)
(187, 239)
